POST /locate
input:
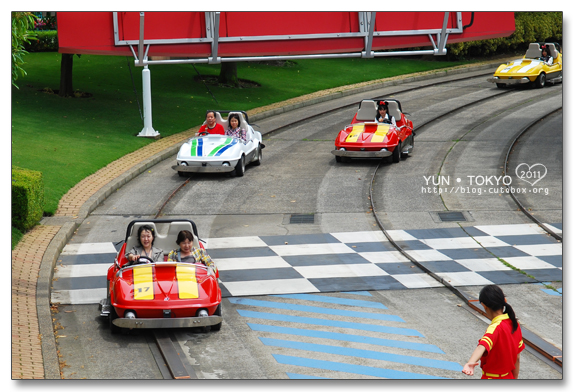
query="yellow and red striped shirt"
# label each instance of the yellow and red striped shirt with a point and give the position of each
(501, 348)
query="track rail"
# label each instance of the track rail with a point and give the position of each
(171, 356)
(346, 106)
(506, 165)
(546, 350)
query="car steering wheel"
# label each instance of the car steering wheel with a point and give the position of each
(141, 260)
(203, 133)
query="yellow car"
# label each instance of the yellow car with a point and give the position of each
(532, 68)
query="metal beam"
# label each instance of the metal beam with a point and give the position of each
(366, 31)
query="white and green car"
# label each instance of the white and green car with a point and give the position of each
(219, 153)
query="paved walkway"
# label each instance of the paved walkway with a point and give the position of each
(26, 340)
(34, 351)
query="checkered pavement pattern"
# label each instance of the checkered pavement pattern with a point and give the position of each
(347, 261)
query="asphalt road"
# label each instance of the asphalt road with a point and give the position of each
(416, 332)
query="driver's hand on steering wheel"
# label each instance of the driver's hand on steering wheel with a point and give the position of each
(133, 259)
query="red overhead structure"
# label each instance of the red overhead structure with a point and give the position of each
(215, 37)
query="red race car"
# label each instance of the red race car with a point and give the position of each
(376, 133)
(160, 294)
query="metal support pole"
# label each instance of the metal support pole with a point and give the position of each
(368, 53)
(141, 43)
(442, 39)
(148, 130)
(214, 59)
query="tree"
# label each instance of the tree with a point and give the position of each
(22, 32)
(66, 67)
(229, 74)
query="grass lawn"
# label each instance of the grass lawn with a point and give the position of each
(68, 139)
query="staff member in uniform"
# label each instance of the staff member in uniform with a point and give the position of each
(500, 346)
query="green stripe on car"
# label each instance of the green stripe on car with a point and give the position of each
(218, 148)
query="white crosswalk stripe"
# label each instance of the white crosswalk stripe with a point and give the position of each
(345, 261)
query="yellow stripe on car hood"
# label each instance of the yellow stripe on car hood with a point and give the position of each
(187, 282)
(354, 134)
(380, 134)
(143, 282)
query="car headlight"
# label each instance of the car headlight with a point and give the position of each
(130, 314)
(184, 163)
(226, 164)
(383, 149)
(342, 149)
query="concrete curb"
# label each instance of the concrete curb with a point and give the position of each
(116, 183)
(43, 295)
(369, 86)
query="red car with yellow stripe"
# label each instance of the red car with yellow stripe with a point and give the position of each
(365, 137)
(161, 294)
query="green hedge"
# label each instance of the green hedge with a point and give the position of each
(27, 198)
(47, 42)
(529, 27)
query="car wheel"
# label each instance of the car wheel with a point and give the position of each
(259, 156)
(338, 159)
(241, 166)
(404, 155)
(540, 81)
(114, 329)
(396, 155)
(500, 85)
(218, 312)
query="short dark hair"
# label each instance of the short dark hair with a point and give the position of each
(210, 111)
(183, 235)
(148, 228)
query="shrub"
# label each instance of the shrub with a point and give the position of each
(529, 27)
(27, 198)
(45, 22)
(16, 237)
(47, 42)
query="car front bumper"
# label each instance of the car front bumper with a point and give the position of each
(183, 322)
(495, 79)
(203, 169)
(361, 154)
